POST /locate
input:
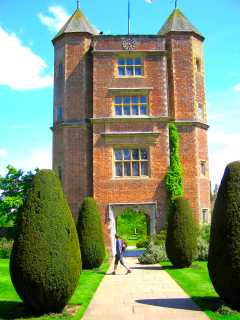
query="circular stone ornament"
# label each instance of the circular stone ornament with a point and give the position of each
(129, 44)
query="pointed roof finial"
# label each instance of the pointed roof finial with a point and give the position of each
(176, 4)
(78, 4)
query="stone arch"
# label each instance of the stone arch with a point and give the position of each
(150, 209)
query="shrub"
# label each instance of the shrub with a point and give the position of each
(90, 234)
(45, 261)
(202, 249)
(224, 249)
(142, 243)
(181, 241)
(153, 254)
(203, 243)
(160, 238)
(5, 248)
(204, 232)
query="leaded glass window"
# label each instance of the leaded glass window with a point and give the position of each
(130, 105)
(131, 162)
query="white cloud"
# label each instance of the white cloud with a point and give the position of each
(149, 1)
(21, 68)
(236, 88)
(3, 153)
(224, 148)
(57, 19)
(37, 158)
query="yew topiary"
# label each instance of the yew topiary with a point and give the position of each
(224, 249)
(181, 241)
(45, 263)
(90, 234)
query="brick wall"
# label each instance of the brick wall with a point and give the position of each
(81, 144)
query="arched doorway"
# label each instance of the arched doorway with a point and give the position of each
(132, 226)
(149, 209)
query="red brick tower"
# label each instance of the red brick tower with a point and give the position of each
(72, 136)
(188, 107)
(114, 96)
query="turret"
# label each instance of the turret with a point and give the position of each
(72, 107)
(188, 107)
(186, 66)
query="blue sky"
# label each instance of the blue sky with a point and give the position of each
(26, 69)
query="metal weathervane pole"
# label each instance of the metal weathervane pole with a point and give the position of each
(176, 4)
(78, 4)
(129, 17)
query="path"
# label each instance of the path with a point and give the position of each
(148, 293)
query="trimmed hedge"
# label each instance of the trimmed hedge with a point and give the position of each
(90, 234)
(45, 262)
(224, 249)
(181, 241)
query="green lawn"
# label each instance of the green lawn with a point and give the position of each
(196, 283)
(12, 308)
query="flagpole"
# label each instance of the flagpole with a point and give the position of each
(129, 17)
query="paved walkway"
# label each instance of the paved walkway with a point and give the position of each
(148, 293)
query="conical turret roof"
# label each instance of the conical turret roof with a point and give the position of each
(177, 22)
(77, 23)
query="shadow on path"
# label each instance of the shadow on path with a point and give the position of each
(203, 303)
(176, 303)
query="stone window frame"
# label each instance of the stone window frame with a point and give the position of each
(60, 173)
(200, 114)
(60, 69)
(132, 56)
(122, 161)
(203, 168)
(205, 215)
(131, 105)
(59, 115)
(198, 64)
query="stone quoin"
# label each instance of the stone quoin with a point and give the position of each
(114, 96)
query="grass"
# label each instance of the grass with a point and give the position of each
(12, 308)
(196, 283)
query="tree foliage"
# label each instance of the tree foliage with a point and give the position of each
(13, 190)
(132, 222)
(45, 262)
(90, 234)
(173, 180)
(224, 249)
(181, 241)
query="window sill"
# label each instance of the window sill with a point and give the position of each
(131, 77)
(130, 178)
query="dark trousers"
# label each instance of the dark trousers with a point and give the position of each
(118, 258)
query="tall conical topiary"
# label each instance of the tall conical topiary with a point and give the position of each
(181, 241)
(90, 234)
(45, 262)
(224, 249)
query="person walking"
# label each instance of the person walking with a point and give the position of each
(119, 255)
